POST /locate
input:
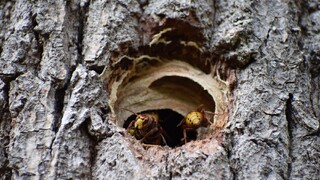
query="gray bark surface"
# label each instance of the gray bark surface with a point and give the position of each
(54, 117)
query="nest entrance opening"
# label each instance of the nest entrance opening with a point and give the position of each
(168, 120)
(172, 88)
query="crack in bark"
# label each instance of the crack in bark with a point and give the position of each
(93, 143)
(169, 171)
(37, 37)
(232, 170)
(288, 112)
(58, 107)
(269, 31)
(40, 39)
(6, 171)
(61, 92)
(82, 22)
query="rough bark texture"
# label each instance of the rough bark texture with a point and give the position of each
(54, 117)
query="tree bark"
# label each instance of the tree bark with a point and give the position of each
(55, 122)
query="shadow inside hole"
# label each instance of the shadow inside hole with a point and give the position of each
(168, 120)
(185, 90)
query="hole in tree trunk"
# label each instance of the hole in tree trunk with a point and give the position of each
(172, 77)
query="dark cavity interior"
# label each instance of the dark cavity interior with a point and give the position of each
(184, 89)
(169, 120)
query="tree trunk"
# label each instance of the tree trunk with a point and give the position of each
(60, 92)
